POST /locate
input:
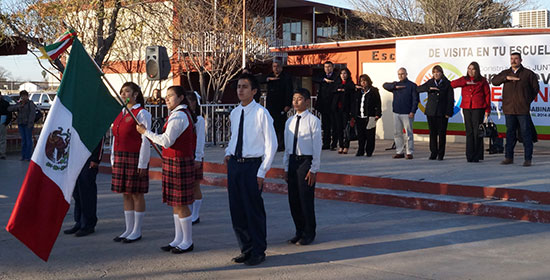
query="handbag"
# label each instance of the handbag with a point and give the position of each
(349, 132)
(487, 129)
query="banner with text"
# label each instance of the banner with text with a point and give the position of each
(493, 55)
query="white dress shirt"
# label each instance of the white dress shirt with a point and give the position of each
(176, 125)
(309, 139)
(259, 138)
(201, 138)
(143, 117)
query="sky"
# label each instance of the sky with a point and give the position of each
(26, 68)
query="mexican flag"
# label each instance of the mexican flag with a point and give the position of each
(79, 117)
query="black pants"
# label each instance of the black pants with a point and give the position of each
(279, 125)
(246, 206)
(301, 197)
(326, 126)
(340, 121)
(474, 144)
(85, 198)
(365, 137)
(438, 135)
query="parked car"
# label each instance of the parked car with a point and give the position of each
(10, 99)
(43, 100)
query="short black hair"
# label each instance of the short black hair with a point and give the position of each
(24, 92)
(328, 62)
(303, 92)
(253, 82)
(516, 53)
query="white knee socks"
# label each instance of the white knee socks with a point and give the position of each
(178, 238)
(129, 219)
(186, 228)
(136, 232)
(196, 209)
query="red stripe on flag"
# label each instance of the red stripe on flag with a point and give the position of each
(38, 213)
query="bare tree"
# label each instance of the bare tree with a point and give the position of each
(413, 17)
(207, 39)
(4, 74)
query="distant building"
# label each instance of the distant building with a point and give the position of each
(531, 19)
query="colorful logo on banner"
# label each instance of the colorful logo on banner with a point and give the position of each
(451, 72)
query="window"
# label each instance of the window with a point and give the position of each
(35, 97)
(292, 30)
(327, 31)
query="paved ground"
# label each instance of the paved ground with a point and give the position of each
(453, 170)
(354, 241)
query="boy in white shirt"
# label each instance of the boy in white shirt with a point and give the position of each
(302, 157)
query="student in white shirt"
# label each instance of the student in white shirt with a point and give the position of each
(302, 157)
(248, 157)
(178, 141)
(193, 99)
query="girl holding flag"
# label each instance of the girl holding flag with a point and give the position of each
(195, 107)
(130, 153)
(178, 156)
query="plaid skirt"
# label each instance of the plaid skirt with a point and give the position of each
(125, 178)
(199, 172)
(178, 176)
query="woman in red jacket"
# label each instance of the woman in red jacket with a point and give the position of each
(476, 104)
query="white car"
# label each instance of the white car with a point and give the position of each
(43, 100)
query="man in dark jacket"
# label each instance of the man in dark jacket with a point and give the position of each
(327, 88)
(279, 99)
(85, 196)
(405, 104)
(5, 118)
(521, 86)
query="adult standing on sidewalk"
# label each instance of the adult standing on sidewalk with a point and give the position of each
(26, 112)
(521, 86)
(327, 88)
(248, 157)
(439, 109)
(279, 99)
(476, 103)
(5, 118)
(405, 104)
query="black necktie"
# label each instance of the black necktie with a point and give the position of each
(296, 130)
(239, 148)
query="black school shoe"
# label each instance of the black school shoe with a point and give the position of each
(293, 240)
(177, 250)
(255, 260)
(167, 248)
(241, 258)
(72, 230)
(126, 240)
(84, 231)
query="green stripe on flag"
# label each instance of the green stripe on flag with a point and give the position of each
(83, 93)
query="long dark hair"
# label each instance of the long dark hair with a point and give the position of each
(192, 97)
(478, 76)
(367, 79)
(348, 80)
(180, 91)
(135, 88)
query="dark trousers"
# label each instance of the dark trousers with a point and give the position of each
(340, 121)
(438, 135)
(326, 126)
(301, 197)
(85, 198)
(279, 125)
(26, 140)
(474, 144)
(524, 123)
(365, 137)
(246, 206)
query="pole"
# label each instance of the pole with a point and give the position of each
(244, 34)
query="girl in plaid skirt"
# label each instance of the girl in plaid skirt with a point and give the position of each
(178, 173)
(130, 154)
(194, 105)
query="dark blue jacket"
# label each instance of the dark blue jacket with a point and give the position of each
(405, 100)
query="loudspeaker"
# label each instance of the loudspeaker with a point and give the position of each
(157, 63)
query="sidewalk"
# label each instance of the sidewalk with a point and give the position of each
(354, 241)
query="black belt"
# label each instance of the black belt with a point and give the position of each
(243, 160)
(301, 157)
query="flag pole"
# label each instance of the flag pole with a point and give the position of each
(121, 101)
